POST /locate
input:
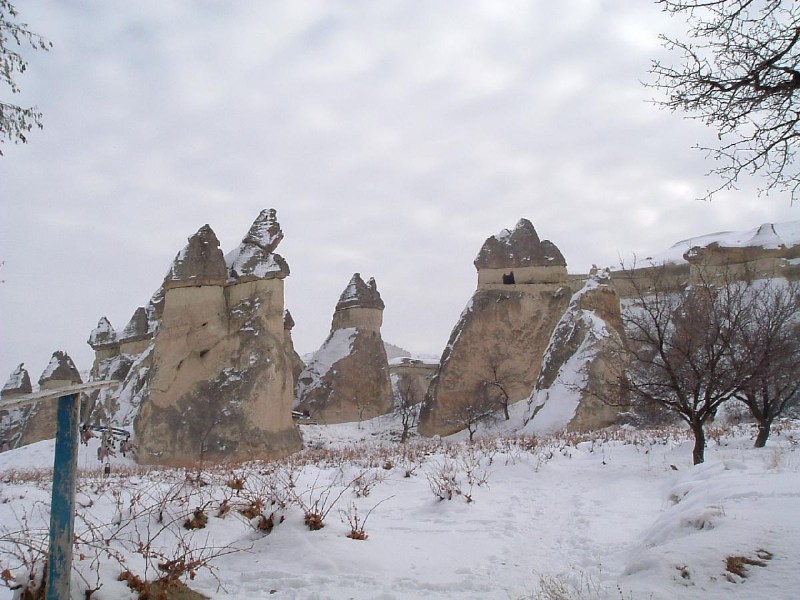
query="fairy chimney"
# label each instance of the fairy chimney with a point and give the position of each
(348, 378)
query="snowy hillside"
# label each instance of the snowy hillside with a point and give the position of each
(788, 233)
(620, 515)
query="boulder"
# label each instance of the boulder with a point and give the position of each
(348, 378)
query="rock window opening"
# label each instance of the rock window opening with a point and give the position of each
(508, 279)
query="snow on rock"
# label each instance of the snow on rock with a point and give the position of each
(200, 262)
(582, 360)
(359, 294)
(254, 258)
(60, 369)
(103, 334)
(766, 237)
(519, 248)
(19, 382)
(138, 327)
(337, 347)
(769, 236)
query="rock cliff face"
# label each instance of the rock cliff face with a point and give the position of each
(348, 378)
(297, 363)
(503, 332)
(220, 384)
(586, 355)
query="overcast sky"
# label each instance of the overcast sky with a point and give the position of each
(392, 137)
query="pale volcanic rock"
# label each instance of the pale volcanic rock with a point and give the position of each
(255, 257)
(297, 363)
(504, 330)
(201, 262)
(19, 382)
(221, 384)
(40, 421)
(12, 420)
(138, 327)
(577, 388)
(103, 335)
(60, 372)
(348, 378)
(518, 248)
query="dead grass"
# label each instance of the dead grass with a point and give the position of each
(737, 565)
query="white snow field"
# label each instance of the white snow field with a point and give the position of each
(620, 514)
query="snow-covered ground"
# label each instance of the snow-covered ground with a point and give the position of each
(620, 515)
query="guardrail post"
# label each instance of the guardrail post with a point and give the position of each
(62, 508)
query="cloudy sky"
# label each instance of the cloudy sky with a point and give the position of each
(392, 137)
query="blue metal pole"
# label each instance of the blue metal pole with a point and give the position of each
(62, 507)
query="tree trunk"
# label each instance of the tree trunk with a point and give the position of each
(505, 410)
(698, 453)
(763, 434)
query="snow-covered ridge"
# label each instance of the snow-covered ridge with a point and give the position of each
(769, 236)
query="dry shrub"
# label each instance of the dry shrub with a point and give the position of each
(738, 564)
(198, 520)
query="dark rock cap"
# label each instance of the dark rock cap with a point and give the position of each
(199, 263)
(518, 248)
(138, 327)
(61, 368)
(19, 382)
(103, 334)
(288, 321)
(255, 257)
(358, 294)
(265, 232)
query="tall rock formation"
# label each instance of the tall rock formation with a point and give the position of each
(221, 384)
(40, 423)
(12, 420)
(576, 389)
(348, 378)
(503, 332)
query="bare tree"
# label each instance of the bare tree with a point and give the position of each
(497, 381)
(738, 70)
(680, 346)
(16, 121)
(767, 354)
(408, 405)
(480, 409)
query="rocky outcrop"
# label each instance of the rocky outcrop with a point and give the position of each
(411, 378)
(12, 420)
(519, 257)
(503, 332)
(577, 387)
(19, 383)
(221, 383)
(297, 363)
(761, 256)
(348, 378)
(40, 422)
